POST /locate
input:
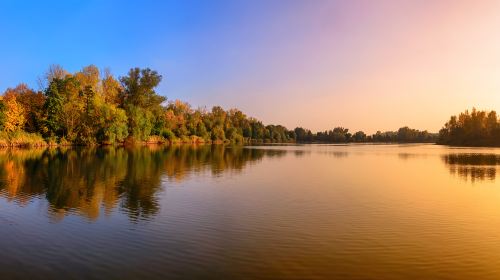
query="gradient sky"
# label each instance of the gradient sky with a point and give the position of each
(366, 65)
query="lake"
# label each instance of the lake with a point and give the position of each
(255, 212)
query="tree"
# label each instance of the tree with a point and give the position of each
(359, 136)
(55, 71)
(87, 129)
(32, 102)
(139, 88)
(142, 104)
(111, 122)
(218, 133)
(301, 134)
(14, 114)
(475, 128)
(53, 107)
(111, 89)
(140, 122)
(73, 108)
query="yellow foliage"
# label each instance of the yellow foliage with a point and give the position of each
(14, 114)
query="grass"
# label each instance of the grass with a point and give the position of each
(21, 139)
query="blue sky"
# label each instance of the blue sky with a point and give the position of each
(198, 46)
(209, 52)
(187, 41)
(361, 64)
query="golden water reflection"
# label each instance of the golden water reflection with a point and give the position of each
(91, 182)
(473, 167)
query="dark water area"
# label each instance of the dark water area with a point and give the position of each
(254, 212)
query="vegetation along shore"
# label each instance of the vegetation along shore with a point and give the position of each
(93, 108)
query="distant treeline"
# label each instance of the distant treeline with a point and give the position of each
(342, 135)
(475, 128)
(90, 107)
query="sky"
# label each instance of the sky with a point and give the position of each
(362, 64)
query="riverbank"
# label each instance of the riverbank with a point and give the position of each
(21, 139)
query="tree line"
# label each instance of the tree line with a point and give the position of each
(92, 107)
(474, 128)
(342, 135)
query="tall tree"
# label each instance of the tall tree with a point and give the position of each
(53, 107)
(141, 102)
(139, 88)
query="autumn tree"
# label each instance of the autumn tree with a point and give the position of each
(55, 71)
(32, 103)
(111, 89)
(14, 113)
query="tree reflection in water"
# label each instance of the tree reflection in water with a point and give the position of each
(89, 181)
(473, 166)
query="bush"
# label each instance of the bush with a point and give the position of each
(155, 139)
(64, 142)
(197, 139)
(168, 134)
(21, 139)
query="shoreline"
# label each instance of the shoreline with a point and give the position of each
(196, 143)
(165, 142)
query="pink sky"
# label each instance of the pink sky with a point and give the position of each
(369, 65)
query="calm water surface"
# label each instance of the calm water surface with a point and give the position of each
(268, 212)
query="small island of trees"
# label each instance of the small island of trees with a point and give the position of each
(475, 128)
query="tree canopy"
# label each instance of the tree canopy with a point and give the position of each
(474, 128)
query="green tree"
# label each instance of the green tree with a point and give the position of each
(111, 122)
(142, 104)
(53, 107)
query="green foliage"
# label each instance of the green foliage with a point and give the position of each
(140, 122)
(233, 135)
(111, 123)
(53, 107)
(2, 114)
(168, 134)
(139, 87)
(218, 133)
(202, 132)
(142, 104)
